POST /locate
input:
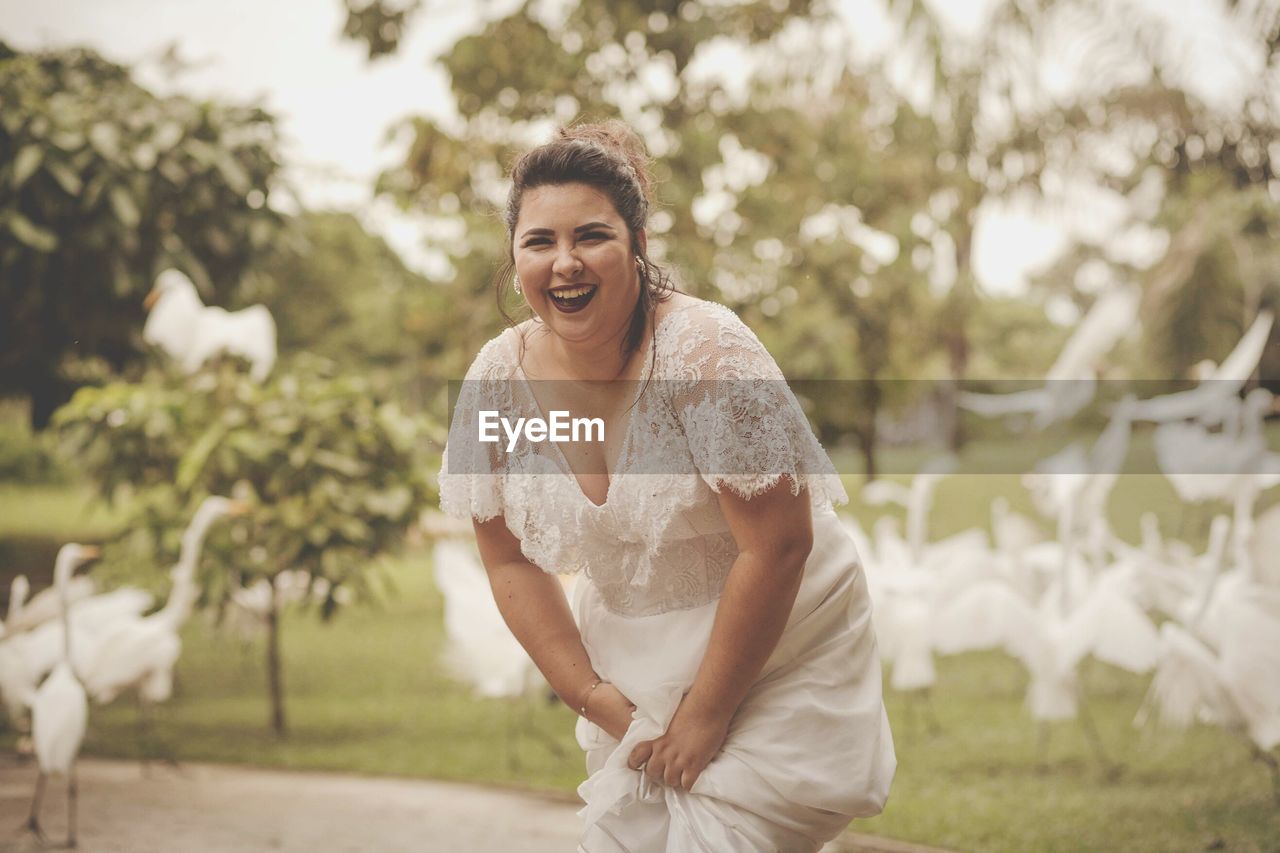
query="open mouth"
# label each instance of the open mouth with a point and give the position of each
(570, 299)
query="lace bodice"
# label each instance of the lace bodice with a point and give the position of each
(716, 413)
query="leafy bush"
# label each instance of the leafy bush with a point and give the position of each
(334, 474)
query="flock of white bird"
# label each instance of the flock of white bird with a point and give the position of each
(1207, 624)
(68, 644)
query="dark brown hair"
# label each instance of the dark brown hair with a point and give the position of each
(609, 156)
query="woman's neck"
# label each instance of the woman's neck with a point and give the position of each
(588, 362)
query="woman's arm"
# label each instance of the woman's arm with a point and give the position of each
(533, 605)
(774, 533)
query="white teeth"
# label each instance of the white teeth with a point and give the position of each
(572, 293)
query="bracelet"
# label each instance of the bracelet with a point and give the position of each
(582, 712)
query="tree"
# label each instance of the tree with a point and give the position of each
(103, 185)
(1198, 171)
(740, 179)
(343, 293)
(334, 474)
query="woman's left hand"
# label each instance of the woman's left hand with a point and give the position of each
(678, 757)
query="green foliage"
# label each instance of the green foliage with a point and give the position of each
(102, 185)
(334, 474)
(26, 457)
(380, 24)
(342, 293)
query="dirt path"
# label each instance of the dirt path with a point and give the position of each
(210, 808)
(205, 808)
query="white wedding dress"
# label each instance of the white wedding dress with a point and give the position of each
(809, 748)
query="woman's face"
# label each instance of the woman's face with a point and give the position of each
(573, 254)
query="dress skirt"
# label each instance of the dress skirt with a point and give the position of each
(808, 750)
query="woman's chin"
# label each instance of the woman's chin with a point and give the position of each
(587, 325)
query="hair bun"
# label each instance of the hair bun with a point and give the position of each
(619, 140)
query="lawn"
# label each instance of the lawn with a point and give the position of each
(366, 694)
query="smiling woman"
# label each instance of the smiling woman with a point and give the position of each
(577, 215)
(718, 650)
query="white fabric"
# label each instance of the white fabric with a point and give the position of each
(810, 747)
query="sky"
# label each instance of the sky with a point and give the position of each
(336, 107)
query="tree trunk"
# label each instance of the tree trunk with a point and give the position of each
(47, 392)
(275, 676)
(870, 437)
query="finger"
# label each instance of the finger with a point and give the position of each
(655, 768)
(671, 775)
(687, 778)
(640, 754)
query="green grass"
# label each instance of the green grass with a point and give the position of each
(53, 512)
(366, 694)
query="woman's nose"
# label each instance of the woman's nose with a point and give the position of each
(566, 264)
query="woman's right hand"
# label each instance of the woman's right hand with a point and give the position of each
(610, 710)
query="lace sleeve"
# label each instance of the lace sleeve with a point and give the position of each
(471, 472)
(745, 428)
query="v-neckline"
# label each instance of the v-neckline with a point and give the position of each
(626, 431)
(625, 446)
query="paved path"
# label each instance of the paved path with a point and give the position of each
(210, 808)
(202, 808)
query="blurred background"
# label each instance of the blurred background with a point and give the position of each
(1034, 240)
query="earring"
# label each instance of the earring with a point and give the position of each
(517, 284)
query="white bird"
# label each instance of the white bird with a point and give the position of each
(1012, 531)
(480, 650)
(1235, 690)
(60, 709)
(249, 607)
(916, 499)
(1234, 466)
(44, 605)
(191, 333)
(1238, 688)
(40, 649)
(1264, 545)
(19, 587)
(1211, 397)
(1049, 642)
(1071, 381)
(15, 680)
(1203, 465)
(141, 651)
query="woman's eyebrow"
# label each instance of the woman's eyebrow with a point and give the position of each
(547, 232)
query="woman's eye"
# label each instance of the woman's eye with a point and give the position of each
(595, 235)
(536, 242)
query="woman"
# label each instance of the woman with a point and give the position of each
(718, 650)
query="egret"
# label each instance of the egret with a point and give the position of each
(60, 709)
(1071, 381)
(26, 658)
(480, 649)
(1239, 688)
(916, 499)
(1051, 643)
(141, 651)
(15, 680)
(1210, 398)
(44, 606)
(1234, 466)
(191, 333)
